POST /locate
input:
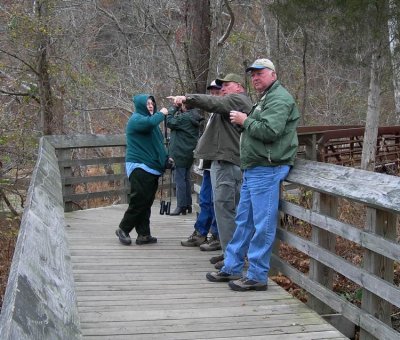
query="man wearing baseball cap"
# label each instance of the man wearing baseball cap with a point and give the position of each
(220, 144)
(268, 147)
(214, 88)
(205, 223)
(260, 64)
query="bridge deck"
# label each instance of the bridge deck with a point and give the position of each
(159, 291)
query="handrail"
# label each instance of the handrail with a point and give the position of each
(380, 195)
(311, 138)
(343, 145)
(107, 151)
(40, 300)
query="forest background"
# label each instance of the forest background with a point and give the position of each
(72, 66)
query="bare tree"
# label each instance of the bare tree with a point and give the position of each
(378, 13)
(197, 44)
(43, 73)
(374, 106)
(393, 28)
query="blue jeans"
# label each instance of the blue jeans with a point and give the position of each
(206, 219)
(183, 187)
(256, 220)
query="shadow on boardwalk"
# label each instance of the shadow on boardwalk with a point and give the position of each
(159, 291)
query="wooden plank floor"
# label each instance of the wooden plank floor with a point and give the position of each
(159, 291)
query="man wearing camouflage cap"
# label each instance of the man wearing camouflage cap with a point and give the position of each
(220, 145)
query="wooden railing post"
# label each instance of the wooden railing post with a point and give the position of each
(381, 223)
(125, 183)
(311, 147)
(326, 205)
(65, 171)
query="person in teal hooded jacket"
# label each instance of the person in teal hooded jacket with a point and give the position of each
(146, 158)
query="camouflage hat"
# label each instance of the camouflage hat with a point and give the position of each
(260, 64)
(230, 77)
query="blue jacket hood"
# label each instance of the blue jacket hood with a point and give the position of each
(140, 102)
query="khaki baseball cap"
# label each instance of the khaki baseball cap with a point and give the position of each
(230, 77)
(259, 64)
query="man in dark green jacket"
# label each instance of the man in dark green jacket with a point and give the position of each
(268, 148)
(145, 161)
(220, 145)
(184, 124)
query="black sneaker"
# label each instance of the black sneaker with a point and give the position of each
(216, 259)
(211, 244)
(221, 277)
(141, 239)
(244, 284)
(124, 238)
(194, 240)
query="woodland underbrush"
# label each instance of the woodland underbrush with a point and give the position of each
(9, 227)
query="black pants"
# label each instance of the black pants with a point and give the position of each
(143, 191)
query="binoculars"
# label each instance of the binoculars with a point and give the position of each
(165, 208)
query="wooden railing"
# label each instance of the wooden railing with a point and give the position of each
(379, 194)
(92, 168)
(41, 260)
(342, 145)
(40, 302)
(93, 173)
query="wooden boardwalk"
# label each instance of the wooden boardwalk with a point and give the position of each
(159, 291)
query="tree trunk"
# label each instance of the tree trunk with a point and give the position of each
(267, 29)
(197, 44)
(395, 56)
(374, 105)
(305, 80)
(45, 94)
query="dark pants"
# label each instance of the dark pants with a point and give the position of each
(143, 190)
(183, 187)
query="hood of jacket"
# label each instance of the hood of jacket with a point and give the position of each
(140, 102)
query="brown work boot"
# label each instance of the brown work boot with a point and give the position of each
(194, 240)
(221, 277)
(219, 265)
(211, 244)
(245, 284)
(216, 259)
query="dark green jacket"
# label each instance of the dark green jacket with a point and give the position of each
(184, 135)
(144, 139)
(220, 140)
(269, 137)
